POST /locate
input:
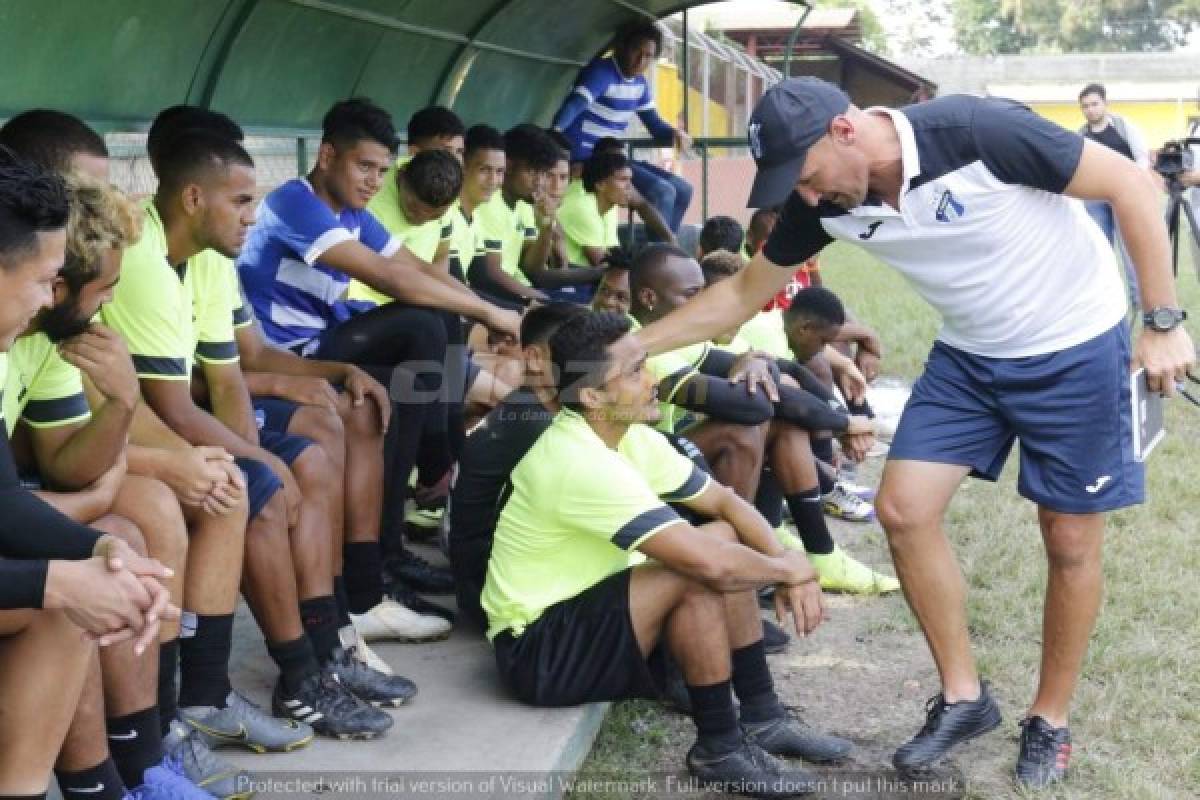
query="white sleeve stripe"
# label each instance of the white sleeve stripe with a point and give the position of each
(328, 239)
(392, 247)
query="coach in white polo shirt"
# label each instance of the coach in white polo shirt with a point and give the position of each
(970, 199)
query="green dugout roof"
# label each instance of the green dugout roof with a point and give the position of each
(279, 64)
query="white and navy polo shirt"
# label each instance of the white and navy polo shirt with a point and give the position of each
(983, 233)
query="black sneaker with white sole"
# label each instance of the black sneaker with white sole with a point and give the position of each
(947, 725)
(329, 708)
(370, 685)
(1045, 753)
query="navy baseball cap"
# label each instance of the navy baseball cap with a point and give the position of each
(791, 116)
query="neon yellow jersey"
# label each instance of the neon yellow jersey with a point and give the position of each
(421, 240)
(606, 503)
(152, 306)
(162, 311)
(505, 229)
(765, 331)
(466, 240)
(583, 225)
(663, 366)
(40, 387)
(217, 296)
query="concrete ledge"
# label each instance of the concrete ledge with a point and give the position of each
(463, 728)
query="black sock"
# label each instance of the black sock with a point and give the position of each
(204, 662)
(319, 615)
(434, 458)
(810, 521)
(716, 721)
(168, 684)
(769, 499)
(135, 743)
(343, 602)
(363, 571)
(823, 450)
(399, 455)
(753, 685)
(101, 782)
(296, 661)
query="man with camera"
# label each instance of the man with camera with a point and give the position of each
(1176, 162)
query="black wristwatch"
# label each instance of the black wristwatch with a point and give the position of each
(1163, 318)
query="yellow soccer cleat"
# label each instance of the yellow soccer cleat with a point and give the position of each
(842, 573)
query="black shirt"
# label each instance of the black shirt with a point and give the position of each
(1110, 138)
(31, 534)
(482, 485)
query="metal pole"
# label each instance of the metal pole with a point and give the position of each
(791, 45)
(301, 156)
(703, 180)
(686, 76)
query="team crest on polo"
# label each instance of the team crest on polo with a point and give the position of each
(948, 208)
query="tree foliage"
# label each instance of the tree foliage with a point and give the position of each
(914, 26)
(873, 36)
(985, 27)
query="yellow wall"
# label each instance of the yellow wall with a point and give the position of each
(1158, 121)
(668, 96)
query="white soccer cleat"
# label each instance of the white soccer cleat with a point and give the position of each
(844, 504)
(390, 621)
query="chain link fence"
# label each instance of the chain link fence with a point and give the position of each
(276, 158)
(719, 169)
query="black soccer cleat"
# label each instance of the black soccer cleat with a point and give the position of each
(1045, 753)
(749, 770)
(789, 736)
(947, 725)
(370, 685)
(329, 708)
(775, 639)
(406, 568)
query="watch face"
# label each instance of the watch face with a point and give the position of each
(1164, 318)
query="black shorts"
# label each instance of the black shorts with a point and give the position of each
(582, 650)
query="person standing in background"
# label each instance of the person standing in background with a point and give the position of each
(1115, 133)
(609, 91)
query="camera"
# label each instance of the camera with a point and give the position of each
(1175, 157)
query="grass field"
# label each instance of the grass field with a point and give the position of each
(1136, 721)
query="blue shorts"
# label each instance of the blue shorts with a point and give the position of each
(261, 481)
(1069, 409)
(273, 413)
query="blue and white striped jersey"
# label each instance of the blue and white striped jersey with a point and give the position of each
(294, 296)
(602, 103)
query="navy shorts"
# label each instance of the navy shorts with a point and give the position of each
(261, 481)
(273, 413)
(1070, 410)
